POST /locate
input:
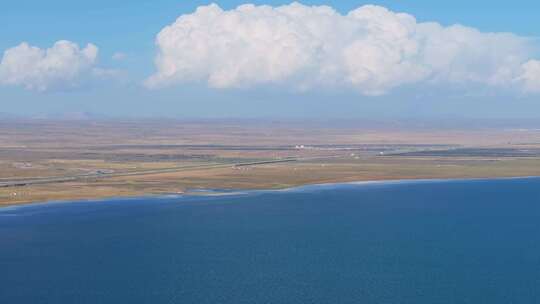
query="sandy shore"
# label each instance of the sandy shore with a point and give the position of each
(233, 192)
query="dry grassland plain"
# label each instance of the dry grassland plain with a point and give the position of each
(151, 157)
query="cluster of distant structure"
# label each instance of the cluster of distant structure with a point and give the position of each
(303, 147)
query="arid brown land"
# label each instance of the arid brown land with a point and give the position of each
(147, 157)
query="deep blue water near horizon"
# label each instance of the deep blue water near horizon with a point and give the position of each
(412, 242)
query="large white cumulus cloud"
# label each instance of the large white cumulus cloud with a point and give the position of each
(370, 49)
(531, 76)
(34, 68)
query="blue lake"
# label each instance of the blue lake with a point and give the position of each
(475, 241)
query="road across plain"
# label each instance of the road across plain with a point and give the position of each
(94, 176)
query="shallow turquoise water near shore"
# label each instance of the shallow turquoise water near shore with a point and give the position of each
(475, 241)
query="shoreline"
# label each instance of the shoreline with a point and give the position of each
(212, 192)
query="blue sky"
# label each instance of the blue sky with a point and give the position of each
(130, 28)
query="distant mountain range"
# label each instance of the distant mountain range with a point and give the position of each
(374, 123)
(75, 116)
(6, 116)
(71, 116)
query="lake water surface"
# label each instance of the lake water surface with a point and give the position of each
(475, 241)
